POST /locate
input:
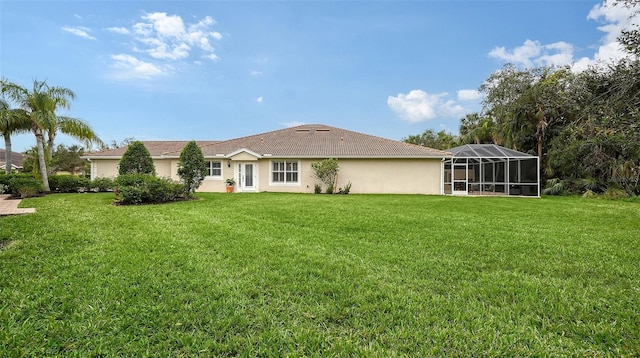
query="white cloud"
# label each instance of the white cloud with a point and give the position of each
(119, 30)
(131, 67)
(260, 99)
(420, 106)
(167, 36)
(160, 38)
(533, 53)
(614, 19)
(469, 95)
(80, 31)
(256, 73)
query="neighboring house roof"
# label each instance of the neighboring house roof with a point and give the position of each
(305, 141)
(17, 159)
(487, 151)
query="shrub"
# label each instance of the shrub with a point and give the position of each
(68, 183)
(136, 160)
(346, 189)
(614, 193)
(192, 167)
(329, 189)
(317, 188)
(24, 186)
(134, 189)
(102, 184)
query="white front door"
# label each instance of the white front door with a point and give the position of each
(248, 174)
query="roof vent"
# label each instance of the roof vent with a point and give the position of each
(322, 130)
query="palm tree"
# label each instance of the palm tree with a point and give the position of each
(12, 121)
(40, 105)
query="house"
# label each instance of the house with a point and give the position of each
(280, 161)
(17, 159)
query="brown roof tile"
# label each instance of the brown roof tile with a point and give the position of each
(305, 141)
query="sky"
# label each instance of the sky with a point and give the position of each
(216, 70)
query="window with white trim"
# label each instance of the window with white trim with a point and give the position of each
(284, 172)
(214, 168)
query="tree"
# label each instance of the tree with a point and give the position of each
(136, 160)
(326, 171)
(40, 105)
(192, 167)
(528, 104)
(68, 159)
(12, 121)
(478, 130)
(431, 139)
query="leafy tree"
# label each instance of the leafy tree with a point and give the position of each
(431, 139)
(68, 159)
(528, 104)
(326, 171)
(136, 160)
(40, 105)
(478, 130)
(192, 167)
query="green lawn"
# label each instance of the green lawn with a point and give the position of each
(320, 275)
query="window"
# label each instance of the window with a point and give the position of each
(284, 172)
(214, 168)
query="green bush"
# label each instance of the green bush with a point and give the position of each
(102, 184)
(317, 188)
(68, 183)
(24, 186)
(346, 189)
(132, 189)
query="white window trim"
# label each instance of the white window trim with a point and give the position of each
(277, 183)
(214, 177)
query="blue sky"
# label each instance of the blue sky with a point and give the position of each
(215, 70)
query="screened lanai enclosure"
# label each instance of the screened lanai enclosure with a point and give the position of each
(489, 169)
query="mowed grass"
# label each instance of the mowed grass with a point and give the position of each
(319, 275)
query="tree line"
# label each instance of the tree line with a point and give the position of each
(583, 126)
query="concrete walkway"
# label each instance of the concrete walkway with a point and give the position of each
(10, 206)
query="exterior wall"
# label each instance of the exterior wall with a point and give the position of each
(104, 168)
(389, 176)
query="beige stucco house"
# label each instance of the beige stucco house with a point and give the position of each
(280, 161)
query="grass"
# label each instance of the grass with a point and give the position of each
(319, 275)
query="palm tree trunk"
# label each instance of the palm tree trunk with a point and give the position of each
(49, 154)
(41, 160)
(7, 153)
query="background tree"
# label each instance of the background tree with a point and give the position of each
(40, 105)
(68, 159)
(431, 139)
(192, 167)
(136, 160)
(478, 129)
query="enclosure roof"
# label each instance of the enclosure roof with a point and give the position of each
(486, 151)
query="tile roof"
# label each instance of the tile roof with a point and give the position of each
(305, 141)
(155, 148)
(16, 158)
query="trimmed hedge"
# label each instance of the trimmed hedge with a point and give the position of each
(21, 185)
(133, 189)
(69, 183)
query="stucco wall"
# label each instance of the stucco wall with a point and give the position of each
(104, 168)
(392, 176)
